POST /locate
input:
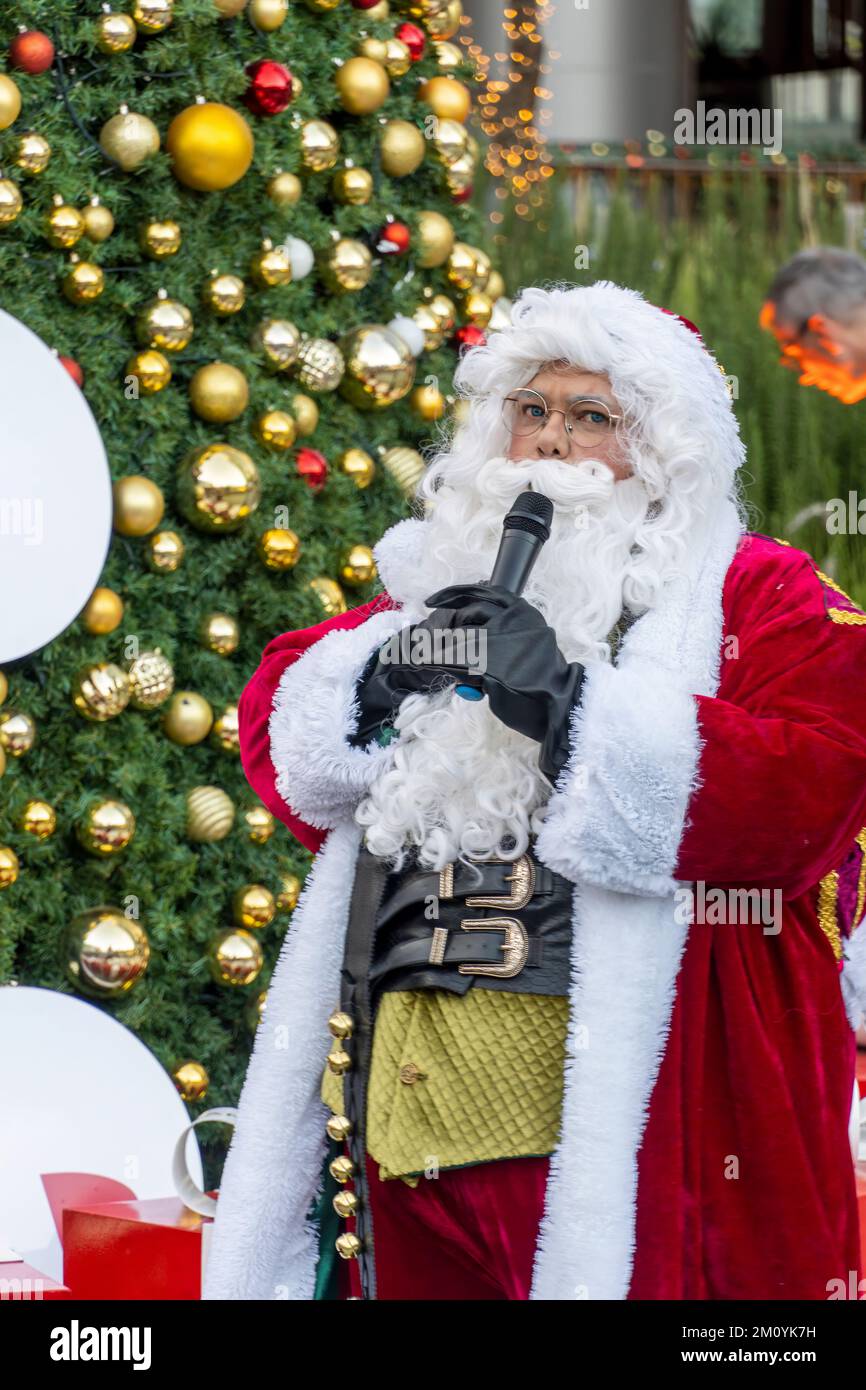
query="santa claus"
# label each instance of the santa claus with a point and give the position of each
(567, 1005)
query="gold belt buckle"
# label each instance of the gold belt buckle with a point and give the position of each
(515, 947)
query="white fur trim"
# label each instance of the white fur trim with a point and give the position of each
(263, 1246)
(319, 775)
(853, 979)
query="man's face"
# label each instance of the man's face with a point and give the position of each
(569, 389)
(826, 352)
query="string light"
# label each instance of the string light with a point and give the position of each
(514, 107)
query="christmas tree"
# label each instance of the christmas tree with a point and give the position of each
(246, 230)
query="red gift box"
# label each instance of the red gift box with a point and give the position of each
(134, 1249)
(24, 1283)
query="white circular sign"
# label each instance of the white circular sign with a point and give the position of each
(55, 495)
(79, 1093)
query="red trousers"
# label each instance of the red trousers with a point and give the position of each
(469, 1233)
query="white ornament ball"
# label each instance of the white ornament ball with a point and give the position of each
(411, 333)
(301, 255)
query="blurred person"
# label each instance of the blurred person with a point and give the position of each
(816, 309)
(513, 1047)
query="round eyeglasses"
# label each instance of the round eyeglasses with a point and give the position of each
(587, 421)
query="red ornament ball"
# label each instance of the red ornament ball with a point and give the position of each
(414, 39)
(463, 196)
(393, 239)
(73, 369)
(312, 467)
(469, 336)
(270, 89)
(31, 51)
(364, 4)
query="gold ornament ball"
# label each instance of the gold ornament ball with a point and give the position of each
(164, 323)
(478, 308)
(160, 239)
(357, 565)
(495, 286)
(225, 294)
(219, 632)
(398, 59)
(106, 828)
(428, 402)
(279, 342)
(191, 1080)
(271, 265)
(380, 369)
(210, 814)
(64, 225)
(129, 139)
(151, 678)
(436, 236)
(362, 86)
(227, 9)
(329, 594)
(253, 906)
(290, 889)
(448, 55)
(83, 283)
(39, 819)
(218, 487)
(219, 393)
(406, 466)
(448, 98)
(358, 466)
(235, 958)
(320, 365)
(320, 145)
(107, 951)
(306, 413)
(11, 202)
(32, 153)
(444, 22)
(321, 6)
(431, 326)
(10, 102)
(284, 189)
(268, 15)
(98, 221)
(443, 310)
(373, 48)
(138, 505)
(260, 824)
(255, 1010)
(211, 146)
(450, 140)
(2, 760)
(153, 16)
(378, 12)
(346, 266)
(188, 718)
(279, 548)
(103, 611)
(352, 186)
(101, 691)
(463, 268)
(17, 732)
(164, 552)
(460, 175)
(402, 147)
(8, 866)
(4, 687)
(225, 733)
(276, 429)
(151, 370)
(115, 33)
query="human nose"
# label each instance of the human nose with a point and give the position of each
(553, 440)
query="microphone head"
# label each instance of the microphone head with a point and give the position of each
(533, 512)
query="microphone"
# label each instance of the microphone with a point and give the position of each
(524, 531)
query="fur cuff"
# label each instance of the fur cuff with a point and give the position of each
(616, 816)
(319, 775)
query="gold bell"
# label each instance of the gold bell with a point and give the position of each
(348, 1246)
(339, 1061)
(340, 1024)
(345, 1204)
(339, 1127)
(341, 1169)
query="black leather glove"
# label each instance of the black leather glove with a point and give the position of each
(383, 685)
(530, 685)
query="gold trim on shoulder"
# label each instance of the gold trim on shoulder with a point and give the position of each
(828, 892)
(846, 617)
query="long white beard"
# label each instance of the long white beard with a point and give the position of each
(461, 783)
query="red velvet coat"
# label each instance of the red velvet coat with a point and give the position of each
(745, 1179)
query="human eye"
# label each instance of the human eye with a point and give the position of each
(591, 415)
